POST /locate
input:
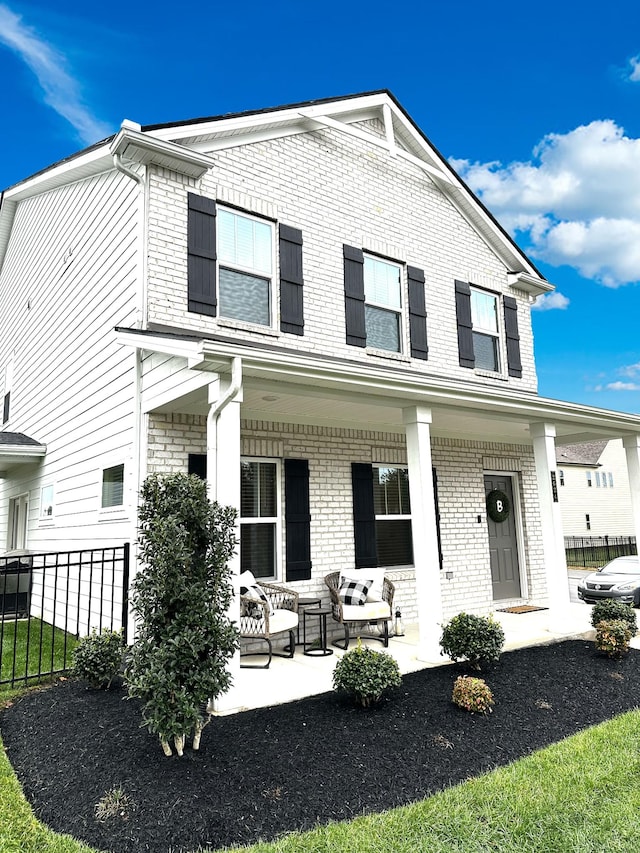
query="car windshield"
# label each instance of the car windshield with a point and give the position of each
(615, 568)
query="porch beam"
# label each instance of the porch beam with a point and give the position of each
(544, 451)
(417, 420)
(632, 449)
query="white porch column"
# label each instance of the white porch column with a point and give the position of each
(544, 451)
(632, 449)
(417, 421)
(223, 479)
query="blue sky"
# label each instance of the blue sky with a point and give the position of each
(538, 107)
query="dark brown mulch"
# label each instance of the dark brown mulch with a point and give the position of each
(266, 772)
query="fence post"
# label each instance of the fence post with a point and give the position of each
(125, 591)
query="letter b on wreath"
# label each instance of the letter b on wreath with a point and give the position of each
(498, 506)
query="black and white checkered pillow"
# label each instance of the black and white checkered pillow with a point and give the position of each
(257, 594)
(354, 592)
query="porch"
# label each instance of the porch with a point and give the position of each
(289, 679)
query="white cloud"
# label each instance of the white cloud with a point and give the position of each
(577, 201)
(550, 302)
(623, 386)
(630, 369)
(61, 91)
(634, 76)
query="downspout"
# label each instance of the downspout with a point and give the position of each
(117, 162)
(212, 423)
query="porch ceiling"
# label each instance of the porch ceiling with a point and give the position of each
(18, 449)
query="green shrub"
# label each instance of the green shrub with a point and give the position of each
(472, 694)
(181, 596)
(612, 637)
(366, 674)
(609, 609)
(477, 639)
(98, 657)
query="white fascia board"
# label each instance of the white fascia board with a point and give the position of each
(531, 284)
(142, 148)
(189, 350)
(67, 172)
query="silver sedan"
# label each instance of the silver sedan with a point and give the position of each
(619, 579)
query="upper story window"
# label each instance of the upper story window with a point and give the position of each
(245, 275)
(383, 304)
(484, 316)
(589, 479)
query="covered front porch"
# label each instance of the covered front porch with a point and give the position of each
(289, 679)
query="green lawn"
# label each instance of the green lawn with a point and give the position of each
(579, 796)
(48, 650)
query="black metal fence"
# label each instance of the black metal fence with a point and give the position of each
(593, 551)
(48, 601)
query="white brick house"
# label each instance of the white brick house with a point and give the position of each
(307, 304)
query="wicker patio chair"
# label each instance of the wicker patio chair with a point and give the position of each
(260, 620)
(361, 615)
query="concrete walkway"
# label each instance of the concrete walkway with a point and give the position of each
(301, 676)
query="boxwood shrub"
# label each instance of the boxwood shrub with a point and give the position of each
(477, 639)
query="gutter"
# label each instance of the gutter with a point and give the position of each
(212, 424)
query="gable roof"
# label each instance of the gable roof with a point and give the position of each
(588, 453)
(187, 147)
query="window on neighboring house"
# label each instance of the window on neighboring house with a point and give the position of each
(484, 316)
(5, 407)
(392, 510)
(589, 479)
(259, 521)
(597, 479)
(383, 304)
(561, 476)
(588, 521)
(245, 258)
(604, 480)
(46, 502)
(610, 480)
(113, 486)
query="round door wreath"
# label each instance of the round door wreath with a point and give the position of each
(498, 506)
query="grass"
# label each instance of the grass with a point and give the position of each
(51, 655)
(578, 796)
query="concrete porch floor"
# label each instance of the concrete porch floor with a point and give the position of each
(301, 676)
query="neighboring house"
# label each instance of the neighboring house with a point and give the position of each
(307, 306)
(594, 489)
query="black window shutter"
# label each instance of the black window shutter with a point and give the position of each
(354, 296)
(465, 326)
(364, 519)
(5, 407)
(514, 363)
(417, 314)
(201, 248)
(291, 282)
(437, 506)
(197, 465)
(297, 519)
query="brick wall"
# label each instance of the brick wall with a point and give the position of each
(338, 190)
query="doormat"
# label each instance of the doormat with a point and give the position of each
(521, 608)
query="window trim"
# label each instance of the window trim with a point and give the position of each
(394, 516)
(478, 330)
(276, 520)
(113, 509)
(241, 270)
(45, 517)
(384, 307)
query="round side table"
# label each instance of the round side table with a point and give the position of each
(312, 649)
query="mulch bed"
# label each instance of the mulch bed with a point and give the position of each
(266, 772)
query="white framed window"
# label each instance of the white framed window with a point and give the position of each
(486, 334)
(383, 303)
(245, 249)
(113, 487)
(47, 494)
(589, 479)
(392, 508)
(260, 516)
(610, 480)
(597, 479)
(561, 476)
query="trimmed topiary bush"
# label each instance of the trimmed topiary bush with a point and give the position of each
(477, 639)
(609, 609)
(366, 674)
(97, 658)
(472, 694)
(612, 637)
(181, 596)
